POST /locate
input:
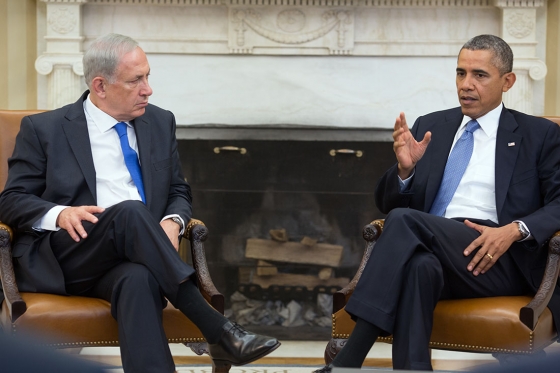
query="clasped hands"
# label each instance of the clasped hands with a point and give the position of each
(493, 242)
(70, 219)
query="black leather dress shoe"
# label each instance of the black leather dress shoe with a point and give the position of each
(325, 369)
(237, 346)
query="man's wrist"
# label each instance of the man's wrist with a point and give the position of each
(404, 173)
(522, 230)
(178, 221)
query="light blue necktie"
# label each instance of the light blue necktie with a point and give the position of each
(131, 159)
(454, 169)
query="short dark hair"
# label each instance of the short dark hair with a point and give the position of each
(503, 55)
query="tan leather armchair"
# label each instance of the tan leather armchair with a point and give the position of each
(72, 321)
(504, 326)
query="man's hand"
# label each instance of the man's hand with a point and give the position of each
(172, 230)
(492, 243)
(70, 219)
(406, 148)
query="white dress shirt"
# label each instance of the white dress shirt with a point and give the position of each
(113, 181)
(475, 196)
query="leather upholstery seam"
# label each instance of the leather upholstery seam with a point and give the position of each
(111, 343)
(446, 345)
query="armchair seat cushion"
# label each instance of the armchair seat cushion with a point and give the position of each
(476, 325)
(72, 321)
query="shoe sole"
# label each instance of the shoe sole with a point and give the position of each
(250, 360)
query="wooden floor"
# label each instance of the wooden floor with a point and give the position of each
(299, 357)
(311, 363)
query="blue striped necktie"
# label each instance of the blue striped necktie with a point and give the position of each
(131, 159)
(454, 169)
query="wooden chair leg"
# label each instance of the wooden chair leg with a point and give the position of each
(220, 366)
(198, 348)
(333, 348)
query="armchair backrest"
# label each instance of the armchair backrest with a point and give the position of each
(10, 121)
(554, 119)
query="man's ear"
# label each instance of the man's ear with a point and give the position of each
(509, 80)
(98, 85)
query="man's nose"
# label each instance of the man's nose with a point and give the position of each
(466, 83)
(146, 90)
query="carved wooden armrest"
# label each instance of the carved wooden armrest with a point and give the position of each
(371, 233)
(16, 305)
(196, 232)
(529, 315)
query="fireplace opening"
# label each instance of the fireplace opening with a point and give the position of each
(285, 219)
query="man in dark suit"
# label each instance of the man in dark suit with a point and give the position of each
(473, 198)
(97, 197)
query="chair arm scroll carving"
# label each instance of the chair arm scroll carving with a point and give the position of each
(529, 314)
(371, 233)
(16, 305)
(196, 232)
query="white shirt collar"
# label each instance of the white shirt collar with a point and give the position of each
(488, 122)
(103, 121)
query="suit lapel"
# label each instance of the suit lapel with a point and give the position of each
(144, 138)
(442, 139)
(77, 134)
(508, 145)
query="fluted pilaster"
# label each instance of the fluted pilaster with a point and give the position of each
(62, 60)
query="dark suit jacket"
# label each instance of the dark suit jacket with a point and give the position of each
(527, 181)
(52, 165)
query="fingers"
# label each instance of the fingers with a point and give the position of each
(400, 124)
(398, 131)
(487, 262)
(473, 245)
(175, 242)
(426, 140)
(70, 219)
(482, 262)
(477, 242)
(492, 243)
(172, 230)
(402, 118)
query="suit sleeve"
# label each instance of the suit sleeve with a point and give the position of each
(545, 221)
(21, 204)
(179, 199)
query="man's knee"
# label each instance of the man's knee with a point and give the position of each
(402, 218)
(129, 206)
(129, 214)
(405, 214)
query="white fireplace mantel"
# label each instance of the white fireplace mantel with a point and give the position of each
(342, 63)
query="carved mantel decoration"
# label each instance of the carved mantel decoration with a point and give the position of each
(276, 27)
(342, 28)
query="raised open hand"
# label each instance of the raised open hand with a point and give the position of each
(406, 148)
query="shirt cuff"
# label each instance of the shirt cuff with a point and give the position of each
(48, 221)
(404, 183)
(180, 218)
